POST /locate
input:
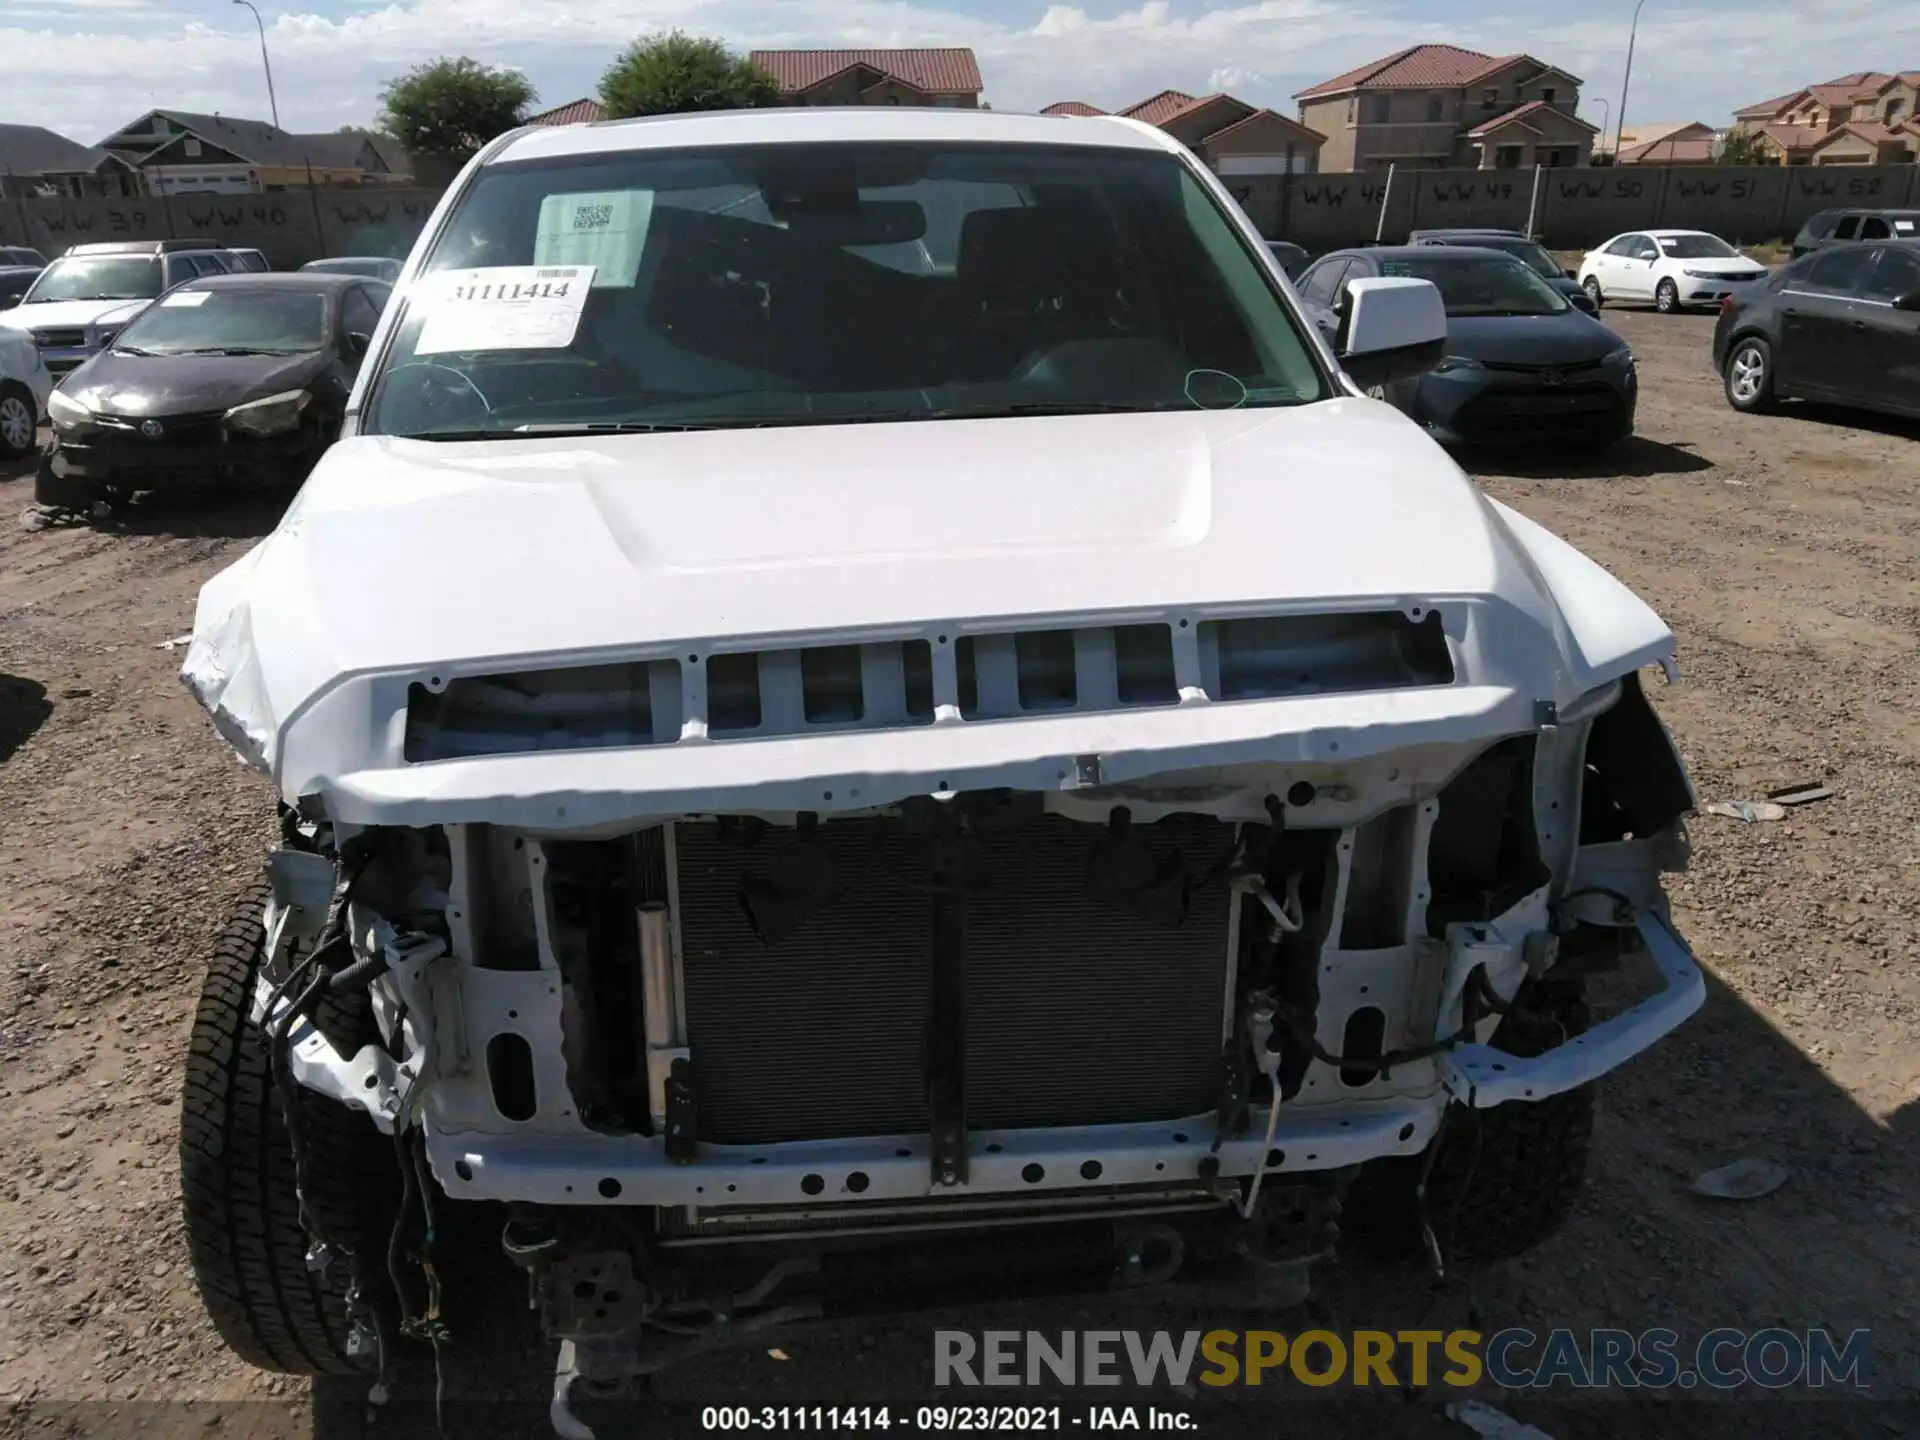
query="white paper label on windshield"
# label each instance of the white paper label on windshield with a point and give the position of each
(1905, 227)
(504, 307)
(187, 297)
(606, 229)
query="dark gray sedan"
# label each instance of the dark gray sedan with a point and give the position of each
(1522, 364)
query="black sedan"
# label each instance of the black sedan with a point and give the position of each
(228, 378)
(1523, 366)
(1530, 253)
(1840, 325)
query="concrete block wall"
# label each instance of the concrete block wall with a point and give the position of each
(290, 226)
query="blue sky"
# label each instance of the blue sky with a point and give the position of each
(84, 67)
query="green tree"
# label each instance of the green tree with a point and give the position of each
(668, 74)
(1741, 148)
(452, 106)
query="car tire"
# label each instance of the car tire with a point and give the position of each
(1592, 286)
(57, 491)
(1666, 297)
(18, 421)
(245, 1236)
(1530, 1167)
(1749, 375)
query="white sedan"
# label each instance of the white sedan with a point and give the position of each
(1672, 269)
(24, 388)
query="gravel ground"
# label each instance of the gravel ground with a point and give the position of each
(1785, 552)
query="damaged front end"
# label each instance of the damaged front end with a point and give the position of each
(830, 949)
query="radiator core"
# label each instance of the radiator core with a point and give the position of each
(1076, 1012)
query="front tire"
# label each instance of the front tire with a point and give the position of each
(1666, 297)
(245, 1236)
(1749, 375)
(18, 421)
(1592, 286)
(1518, 1190)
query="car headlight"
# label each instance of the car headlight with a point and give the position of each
(271, 414)
(68, 415)
(1621, 358)
(1457, 362)
(1705, 274)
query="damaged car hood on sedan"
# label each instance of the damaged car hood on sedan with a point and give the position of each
(406, 565)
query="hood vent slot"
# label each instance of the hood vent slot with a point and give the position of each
(892, 685)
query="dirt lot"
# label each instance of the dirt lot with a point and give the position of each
(1785, 552)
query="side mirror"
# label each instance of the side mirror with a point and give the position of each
(1392, 328)
(1650, 256)
(1908, 302)
(1573, 274)
(357, 344)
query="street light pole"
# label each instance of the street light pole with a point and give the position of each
(265, 64)
(1625, 80)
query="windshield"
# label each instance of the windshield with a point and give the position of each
(1698, 247)
(810, 284)
(98, 277)
(1530, 253)
(375, 268)
(1481, 284)
(228, 322)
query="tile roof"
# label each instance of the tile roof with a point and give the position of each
(1156, 108)
(35, 150)
(577, 112)
(1792, 137)
(1764, 108)
(1869, 130)
(1520, 112)
(1416, 65)
(1194, 107)
(1072, 107)
(940, 71)
(1660, 130)
(1313, 136)
(1670, 150)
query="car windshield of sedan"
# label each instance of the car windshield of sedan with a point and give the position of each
(1481, 285)
(1530, 253)
(799, 284)
(228, 322)
(1698, 247)
(98, 277)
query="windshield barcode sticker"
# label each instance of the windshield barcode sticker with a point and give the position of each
(507, 307)
(187, 297)
(606, 229)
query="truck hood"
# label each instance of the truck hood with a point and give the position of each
(406, 560)
(67, 314)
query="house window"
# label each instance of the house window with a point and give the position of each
(1490, 97)
(1381, 107)
(193, 148)
(1435, 109)
(1548, 94)
(1353, 108)
(1893, 110)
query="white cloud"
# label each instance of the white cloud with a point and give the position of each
(87, 66)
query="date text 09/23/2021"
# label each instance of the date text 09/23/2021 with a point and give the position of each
(943, 1419)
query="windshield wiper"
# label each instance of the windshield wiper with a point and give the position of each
(233, 350)
(135, 350)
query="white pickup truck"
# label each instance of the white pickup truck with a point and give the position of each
(864, 703)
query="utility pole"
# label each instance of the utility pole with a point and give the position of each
(1625, 80)
(265, 64)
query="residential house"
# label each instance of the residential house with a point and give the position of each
(1805, 127)
(945, 78)
(1669, 142)
(35, 161)
(1439, 106)
(575, 112)
(1232, 137)
(177, 152)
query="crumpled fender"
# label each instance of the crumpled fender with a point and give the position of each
(1606, 630)
(222, 667)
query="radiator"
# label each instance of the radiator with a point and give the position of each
(1077, 1013)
